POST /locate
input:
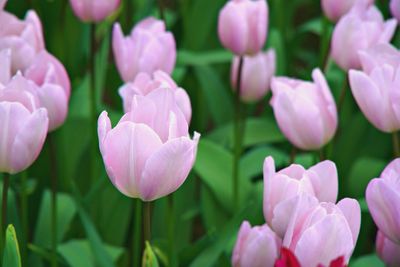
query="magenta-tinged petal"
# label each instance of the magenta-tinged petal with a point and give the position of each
(324, 181)
(352, 212)
(168, 168)
(388, 251)
(383, 203)
(29, 140)
(126, 149)
(325, 241)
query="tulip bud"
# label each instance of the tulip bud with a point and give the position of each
(53, 87)
(305, 111)
(24, 126)
(312, 224)
(256, 247)
(256, 75)
(388, 251)
(280, 187)
(335, 9)
(383, 199)
(148, 154)
(376, 89)
(242, 26)
(23, 37)
(147, 49)
(145, 83)
(94, 10)
(360, 29)
(395, 9)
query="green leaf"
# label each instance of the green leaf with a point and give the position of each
(216, 94)
(65, 213)
(371, 260)
(11, 255)
(363, 170)
(257, 131)
(214, 166)
(77, 253)
(203, 58)
(149, 258)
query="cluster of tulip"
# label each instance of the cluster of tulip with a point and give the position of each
(300, 207)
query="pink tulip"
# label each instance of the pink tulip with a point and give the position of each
(383, 199)
(54, 86)
(318, 233)
(280, 187)
(388, 251)
(335, 9)
(145, 83)
(256, 247)
(242, 26)
(23, 37)
(358, 30)
(24, 126)
(147, 49)
(395, 9)
(376, 89)
(94, 10)
(2, 3)
(148, 154)
(5, 66)
(256, 75)
(305, 111)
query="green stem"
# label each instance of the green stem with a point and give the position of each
(161, 10)
(324, 45)
(24, 216)
(137, 233)
(171, 225)
(238, 136)
(147, 221)
(342, 94)
(396, 148)
(321, 154)
(93, 108)
(53, 169)
(3, 226)
(293, 155)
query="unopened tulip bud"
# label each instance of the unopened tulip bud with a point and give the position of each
(94, 10)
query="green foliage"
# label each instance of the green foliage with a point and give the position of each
(11, 255)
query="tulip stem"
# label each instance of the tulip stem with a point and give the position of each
(147, 221)
(342, 94)
(324, 45)
(293, 155)
(53, 169)
(161, 10)
(171, 224)
(24, 216)
(137, 233)
(6, 184)
(396, 149)
(93, 129)
(238, 136)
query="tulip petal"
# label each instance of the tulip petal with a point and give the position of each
(352, 212)
(324, 179)
(168, 167)
(103, 127)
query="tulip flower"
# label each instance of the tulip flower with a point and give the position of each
(383, 199)
(24, 125)
(395, 9)
(23, 37)
(256, 75)
(242, 26)
(318, 233)
(358, 30)
(305, 111)
(335, 9)
(280, 187)
(94, 10)
(147, 49)
(388, 251)
(148, 154)
(256, 247)
(54, 86)
(375, 89)
(5, 66)
(288, 259)
(145, 83)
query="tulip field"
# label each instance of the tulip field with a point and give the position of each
(199, 133)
